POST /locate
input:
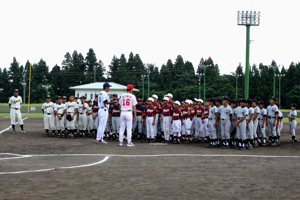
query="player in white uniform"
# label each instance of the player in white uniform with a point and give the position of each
(127, 102)
(103, 112)
(59, 112)
(71, 110)
(82, 116)
(15, 102)
(64, 101)
(293, 123)
(89, 117)
(48, 111)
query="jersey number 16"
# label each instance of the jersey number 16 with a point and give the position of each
(127, 102)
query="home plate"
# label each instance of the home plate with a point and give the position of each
(158, 144)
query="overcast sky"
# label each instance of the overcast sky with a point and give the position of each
(157, 30)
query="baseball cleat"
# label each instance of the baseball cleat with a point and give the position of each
(24, 132)
(121, 144)
(274, 144)
(130, 144)
(14, 131)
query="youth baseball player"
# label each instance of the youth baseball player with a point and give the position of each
(137, 123)
(166, 111)
(213, 124)
(95, 115)
(279, 124)
(240, 125)
(150, 113)
(15, 102)
(293, 123)
(82, 109)
(255, 121)
(219, 131)
(199, 112)
(64, 101)
(76, 122)
(103, 102)
(48, 111)
(262, 121)
(204, 121)
(71, 110)
(272, 111)
(195, 116)
(185, 113)
(226, 118)
(128, 103)
(89, 118)
(176, 122)
(59, 112)
(114, 118)
(233, 135)
(157, 108)
(249, 125)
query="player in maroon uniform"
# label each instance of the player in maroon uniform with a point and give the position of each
(157, 108)
(186, 128)
(204, 121)
(176, 123)
(150, 113)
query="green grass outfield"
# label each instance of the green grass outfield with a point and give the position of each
(4, 114)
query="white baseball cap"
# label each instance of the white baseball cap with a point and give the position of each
(177, 102)
(169, 95)
(166, 99)
(155, 96)
(189, 101)
(200, 100)
(150, 99)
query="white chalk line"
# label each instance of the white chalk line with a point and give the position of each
(57, 168)
(10, 126)
(16, 156)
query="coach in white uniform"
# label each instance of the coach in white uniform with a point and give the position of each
(103, 112)
(15, 102)
(127, 102)
(48, 111)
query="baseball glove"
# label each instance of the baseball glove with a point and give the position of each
(69, 117)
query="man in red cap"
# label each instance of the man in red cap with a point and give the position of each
(127, 102)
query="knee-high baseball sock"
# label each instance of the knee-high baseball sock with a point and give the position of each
(13, 126)
(22, 127)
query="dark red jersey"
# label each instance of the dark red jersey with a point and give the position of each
(205, 112)
(150, 111)
(199, 111)
(166, 110)
(176, 114)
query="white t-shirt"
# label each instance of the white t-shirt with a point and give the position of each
(15, 102)
(48, 108)
(102, 97)
(127, 101)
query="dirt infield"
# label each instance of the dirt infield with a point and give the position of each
(33, 166)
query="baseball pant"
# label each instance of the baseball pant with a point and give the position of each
(232, 129)
(212, 129)
(241, 130)
(225, 128)
(176, 125)
(261, 131)
(71, 124)
(82, 122)
(96, 122)
(103, 115)
(150, 127)
(15, 114)
(162, 126)
(271, 128)
(186, 128)
(279, 129)
(166, 125)
(249, 131)
(65, 121)
(155, 127)
(137, 124)
(108, 125)
(197, 127)
(49, 122)
(255, 125)
(89, 122)
(76, 121)
(115, 121)
(125, 121)
(219, 131)
(204, 127)
(60, 123)
(193, 124)
(292, 127)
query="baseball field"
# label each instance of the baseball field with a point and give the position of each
(33, 166)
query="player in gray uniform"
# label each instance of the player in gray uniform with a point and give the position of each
(262, 121)
(82, 108)
(249, 125)
(64, 101)
(219, 131)
(89, 118)
(255, 121)
(226, 118)
(59, 112)
(212, 123)
(293, 123)
(241, 114)
(279, 124)
(272, 111)
(233, 135)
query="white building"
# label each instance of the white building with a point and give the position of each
(89, 90)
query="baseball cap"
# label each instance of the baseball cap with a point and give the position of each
(82, 97)
(130, 87)
(294, 105)
(15, 90)
(226, 98)
(150, 99)
(105, 85)
(155, 96)
(274, 98)
(48, 96)
(64, 97)
(244, 100)
(169, 95)
(59, 97)
(165, 99)
(261, 103)
(200, 100)
(177, 102)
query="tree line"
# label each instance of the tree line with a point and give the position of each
(178, 77)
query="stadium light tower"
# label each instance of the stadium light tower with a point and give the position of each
(248, 19)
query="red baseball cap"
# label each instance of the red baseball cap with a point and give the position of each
(130, 87)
